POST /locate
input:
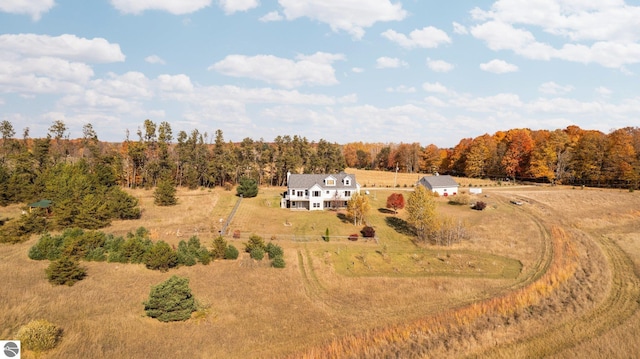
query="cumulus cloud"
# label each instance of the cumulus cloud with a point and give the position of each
(428, 37)
(232, 6)
(439, 65)
(495, 103)
(603, 91)
(178, 83)
(389, 63)
(174, 7)
(352, 16)
(34, 8)
(460, 29)
(131, 84)
(32, 64)
(357, 70)
(70, 47)
(271, 16)
(603, 32)
(552, 88)
(498, 67)
(154, 59)
(401, 89)
(434, 87)
(311, 70)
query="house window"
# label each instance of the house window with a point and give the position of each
(316, 205)
(347, 182)
(300, 193)
(316, 193)
(327, 192)
(293, 192)
(330, 182)
(306, 192)
(347, 193)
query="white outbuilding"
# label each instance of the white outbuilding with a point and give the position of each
(443, 185)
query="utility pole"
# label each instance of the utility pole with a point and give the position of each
(395, 178)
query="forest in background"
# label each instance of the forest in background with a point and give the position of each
(31, 167)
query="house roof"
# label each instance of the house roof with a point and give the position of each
(43, 203)
(444, 181)
(309, 180)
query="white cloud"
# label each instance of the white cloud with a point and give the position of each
(496, 103)
(352, 16)
(401, 89)
(171, 6)
(177, 83)
(603, 32)
(434, 87)
(575, 20)
(428, 37)
(498, 67)
(34, 8)
(70, 47)
(439, 65)
(357, 70)
(603, 91)
(271, 16)
(434, 101)
(389, 63)
(552, 88)
(42, 75)
(311, 70)
(232, 6)
(132, 85)
(154, 59)
(460, 29)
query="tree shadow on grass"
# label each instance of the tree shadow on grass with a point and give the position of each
(400, 225)
(343, 218)
(386, 211)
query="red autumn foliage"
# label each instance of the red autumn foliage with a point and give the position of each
(395, 201)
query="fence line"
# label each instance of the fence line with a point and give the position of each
(233, 213)
(301, 237)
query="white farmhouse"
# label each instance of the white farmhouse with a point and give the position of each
(443, 185)
(319, 191)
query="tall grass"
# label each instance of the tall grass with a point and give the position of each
(375, 342)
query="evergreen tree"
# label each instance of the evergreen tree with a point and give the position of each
(171, 300)
(231, 252)
(247, 188)
(161, 256)
(219, 247)
(65, 271)
(165, 193)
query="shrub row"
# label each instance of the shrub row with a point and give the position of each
(257, 250)
(78, 244)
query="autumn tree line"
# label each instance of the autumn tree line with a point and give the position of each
(568, 156)
(195, 159)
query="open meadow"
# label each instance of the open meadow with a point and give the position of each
(554, 276)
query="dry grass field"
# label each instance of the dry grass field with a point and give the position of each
(557, 276)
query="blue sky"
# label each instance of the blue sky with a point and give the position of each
(340, 70)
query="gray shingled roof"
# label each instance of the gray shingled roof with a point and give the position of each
(439, 181)
(308, 180)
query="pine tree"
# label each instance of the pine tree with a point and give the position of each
(247, 188)
(171, 300)
(65, 271)
(161, 256)
(165, 193)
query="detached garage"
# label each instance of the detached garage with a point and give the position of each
(443, 185)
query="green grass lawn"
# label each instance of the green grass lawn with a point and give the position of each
(392, 253)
